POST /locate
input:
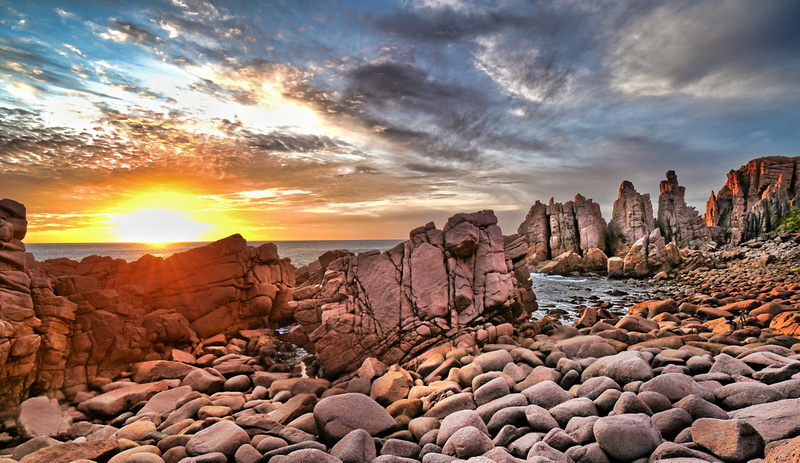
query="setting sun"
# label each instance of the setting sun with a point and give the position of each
(156, 226)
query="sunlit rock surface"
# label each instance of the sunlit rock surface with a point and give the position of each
(753, 199)
(439, 285)
(66, 322)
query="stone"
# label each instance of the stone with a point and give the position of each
(753, 199)
(401, 448)
(114, 402)
(306, 456)
(740, 395)
(539, 419)
(546, 394)
(724, 363)
(580, 406)
(493, 361)
(774, 421)
(156, 370)
(338, 415)
(627, 437)
(356, 447)
(73, 451)
(595, 386)
(30, 446)
(698, 408)
(391, 387)
(467, 442)
(40, 416)
(731, 440)
(224, 437)
(455, 421)
(789, 451)
(136, 431)
(676, 386)
(585, 346)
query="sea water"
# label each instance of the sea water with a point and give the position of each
(300, 252)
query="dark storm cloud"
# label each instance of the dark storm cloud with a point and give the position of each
(684, 44)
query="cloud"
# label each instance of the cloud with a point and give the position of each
(121, 31)
(712, 49)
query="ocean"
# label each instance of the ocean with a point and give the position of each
(300, 252)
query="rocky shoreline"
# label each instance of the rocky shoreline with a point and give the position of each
(424, 352)
(710, 374)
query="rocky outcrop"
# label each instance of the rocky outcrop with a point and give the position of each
(109, 313)
(575, 226)
(649, 255)
(631, 219)
(439, 286)
(63, 323)
(19, 340)
(678, 222)
(753, 199)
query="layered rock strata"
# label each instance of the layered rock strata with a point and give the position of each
(678, 222)
(19, 327)
(439, 285)
(753, 199)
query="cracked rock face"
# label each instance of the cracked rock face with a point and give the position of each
(575, 226)
(437, 286)
(678, 222)
(753, 199)
(631, 220)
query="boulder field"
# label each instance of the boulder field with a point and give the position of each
(709, 372)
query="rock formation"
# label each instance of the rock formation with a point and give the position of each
(19, 340)
(550, 231)
(753, 199)
(678, 222)
(650, 254)
(437, 286)
(63, 322)
(631, 220)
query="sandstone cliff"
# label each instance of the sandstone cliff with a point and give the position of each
(439, 285)
(753, 199)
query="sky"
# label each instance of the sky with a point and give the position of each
(280, 120)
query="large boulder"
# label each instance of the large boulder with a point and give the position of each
(338, 415)
(392, 305)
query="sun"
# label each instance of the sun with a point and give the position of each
(156, 226)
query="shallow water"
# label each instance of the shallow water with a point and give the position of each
(562, 297)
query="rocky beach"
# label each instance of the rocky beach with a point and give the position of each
(426, 352)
